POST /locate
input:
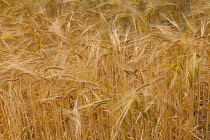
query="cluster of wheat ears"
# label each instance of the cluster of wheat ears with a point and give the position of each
(104, 69)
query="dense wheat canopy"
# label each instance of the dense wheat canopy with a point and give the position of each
(104, 69)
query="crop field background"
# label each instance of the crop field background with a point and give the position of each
(104, 69)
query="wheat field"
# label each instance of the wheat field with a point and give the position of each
(104, 70)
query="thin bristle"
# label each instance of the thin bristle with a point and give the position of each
(104, 69)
